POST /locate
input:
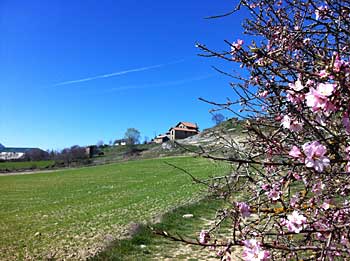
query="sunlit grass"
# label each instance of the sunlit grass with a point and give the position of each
(10, 166)
(73, 213)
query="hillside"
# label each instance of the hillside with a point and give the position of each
(217, 135)
(210, 138)
(1, 146)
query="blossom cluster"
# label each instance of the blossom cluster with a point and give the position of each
(294, 165)
(254, 252)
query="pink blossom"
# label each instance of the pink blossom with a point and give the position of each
(320, 119)
(326, 204)
(323, 74)
(315, 156)
(295, 152)
(244, 209)
(253, 251)
(274, 193)
(338, 63)
(265, 187)
(296, 176)
(294, 97)
(297, 86)
(346, 122)
(318, 98)
(321, 225)
(294, 200)
(326, 89)
(237, 45)
(318, 187)
(263, 94)
(295, 222)
(286, 122)
(306, 41)
(204, 237)
(314, 100)
(321, 12)
(310, 83)
(291, 124)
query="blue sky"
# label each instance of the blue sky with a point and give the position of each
(76, 72)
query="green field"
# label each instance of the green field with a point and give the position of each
(10, 166)
(74, 213)
(146, 245)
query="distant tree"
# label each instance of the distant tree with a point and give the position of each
(217, 118)
(100, 143)
(145, 140)
(132, 136)
(78, 153)
(37, 154)
(72, 154)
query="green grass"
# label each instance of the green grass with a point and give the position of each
(10, 166)
(73, 213)
(146, 245)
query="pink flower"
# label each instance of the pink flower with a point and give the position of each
(346, 122)
(296, 176)
(318, 187)
(314, 100)
(326, 89)
(253, 252)
(295, 222)
(294, 200)
(306, 41)
(291, 124)
(263, 94)
(315, 158)
(326, 204)
(295, 152)
(274, 193)
(237, 45)
(323, 74)
(294, 97)
(318, 98)
(286, 122)
(321, 12)
(244, 208)
(265, 187)
(204, 237)
(338, 63)
(297, 86)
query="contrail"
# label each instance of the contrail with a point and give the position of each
(117, 73)
(159, 84)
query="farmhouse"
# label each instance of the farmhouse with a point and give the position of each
(13, 153)
(121, 142)
(183, 130)
(161, 138)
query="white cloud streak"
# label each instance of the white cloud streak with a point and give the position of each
(158, 84)
(140, 69)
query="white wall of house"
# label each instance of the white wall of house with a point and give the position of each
(11, 155)
(123, 143)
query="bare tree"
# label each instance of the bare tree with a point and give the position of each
(217, 118)
(132, 136)
(100, 143)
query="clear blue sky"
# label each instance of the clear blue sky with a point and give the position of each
(57, 57)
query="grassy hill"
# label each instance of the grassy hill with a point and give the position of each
(25, 165)
(75, 213)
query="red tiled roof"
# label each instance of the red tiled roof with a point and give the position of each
(184, 129)
(188, 124)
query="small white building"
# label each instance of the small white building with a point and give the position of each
(121, 142)
(13, 153)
